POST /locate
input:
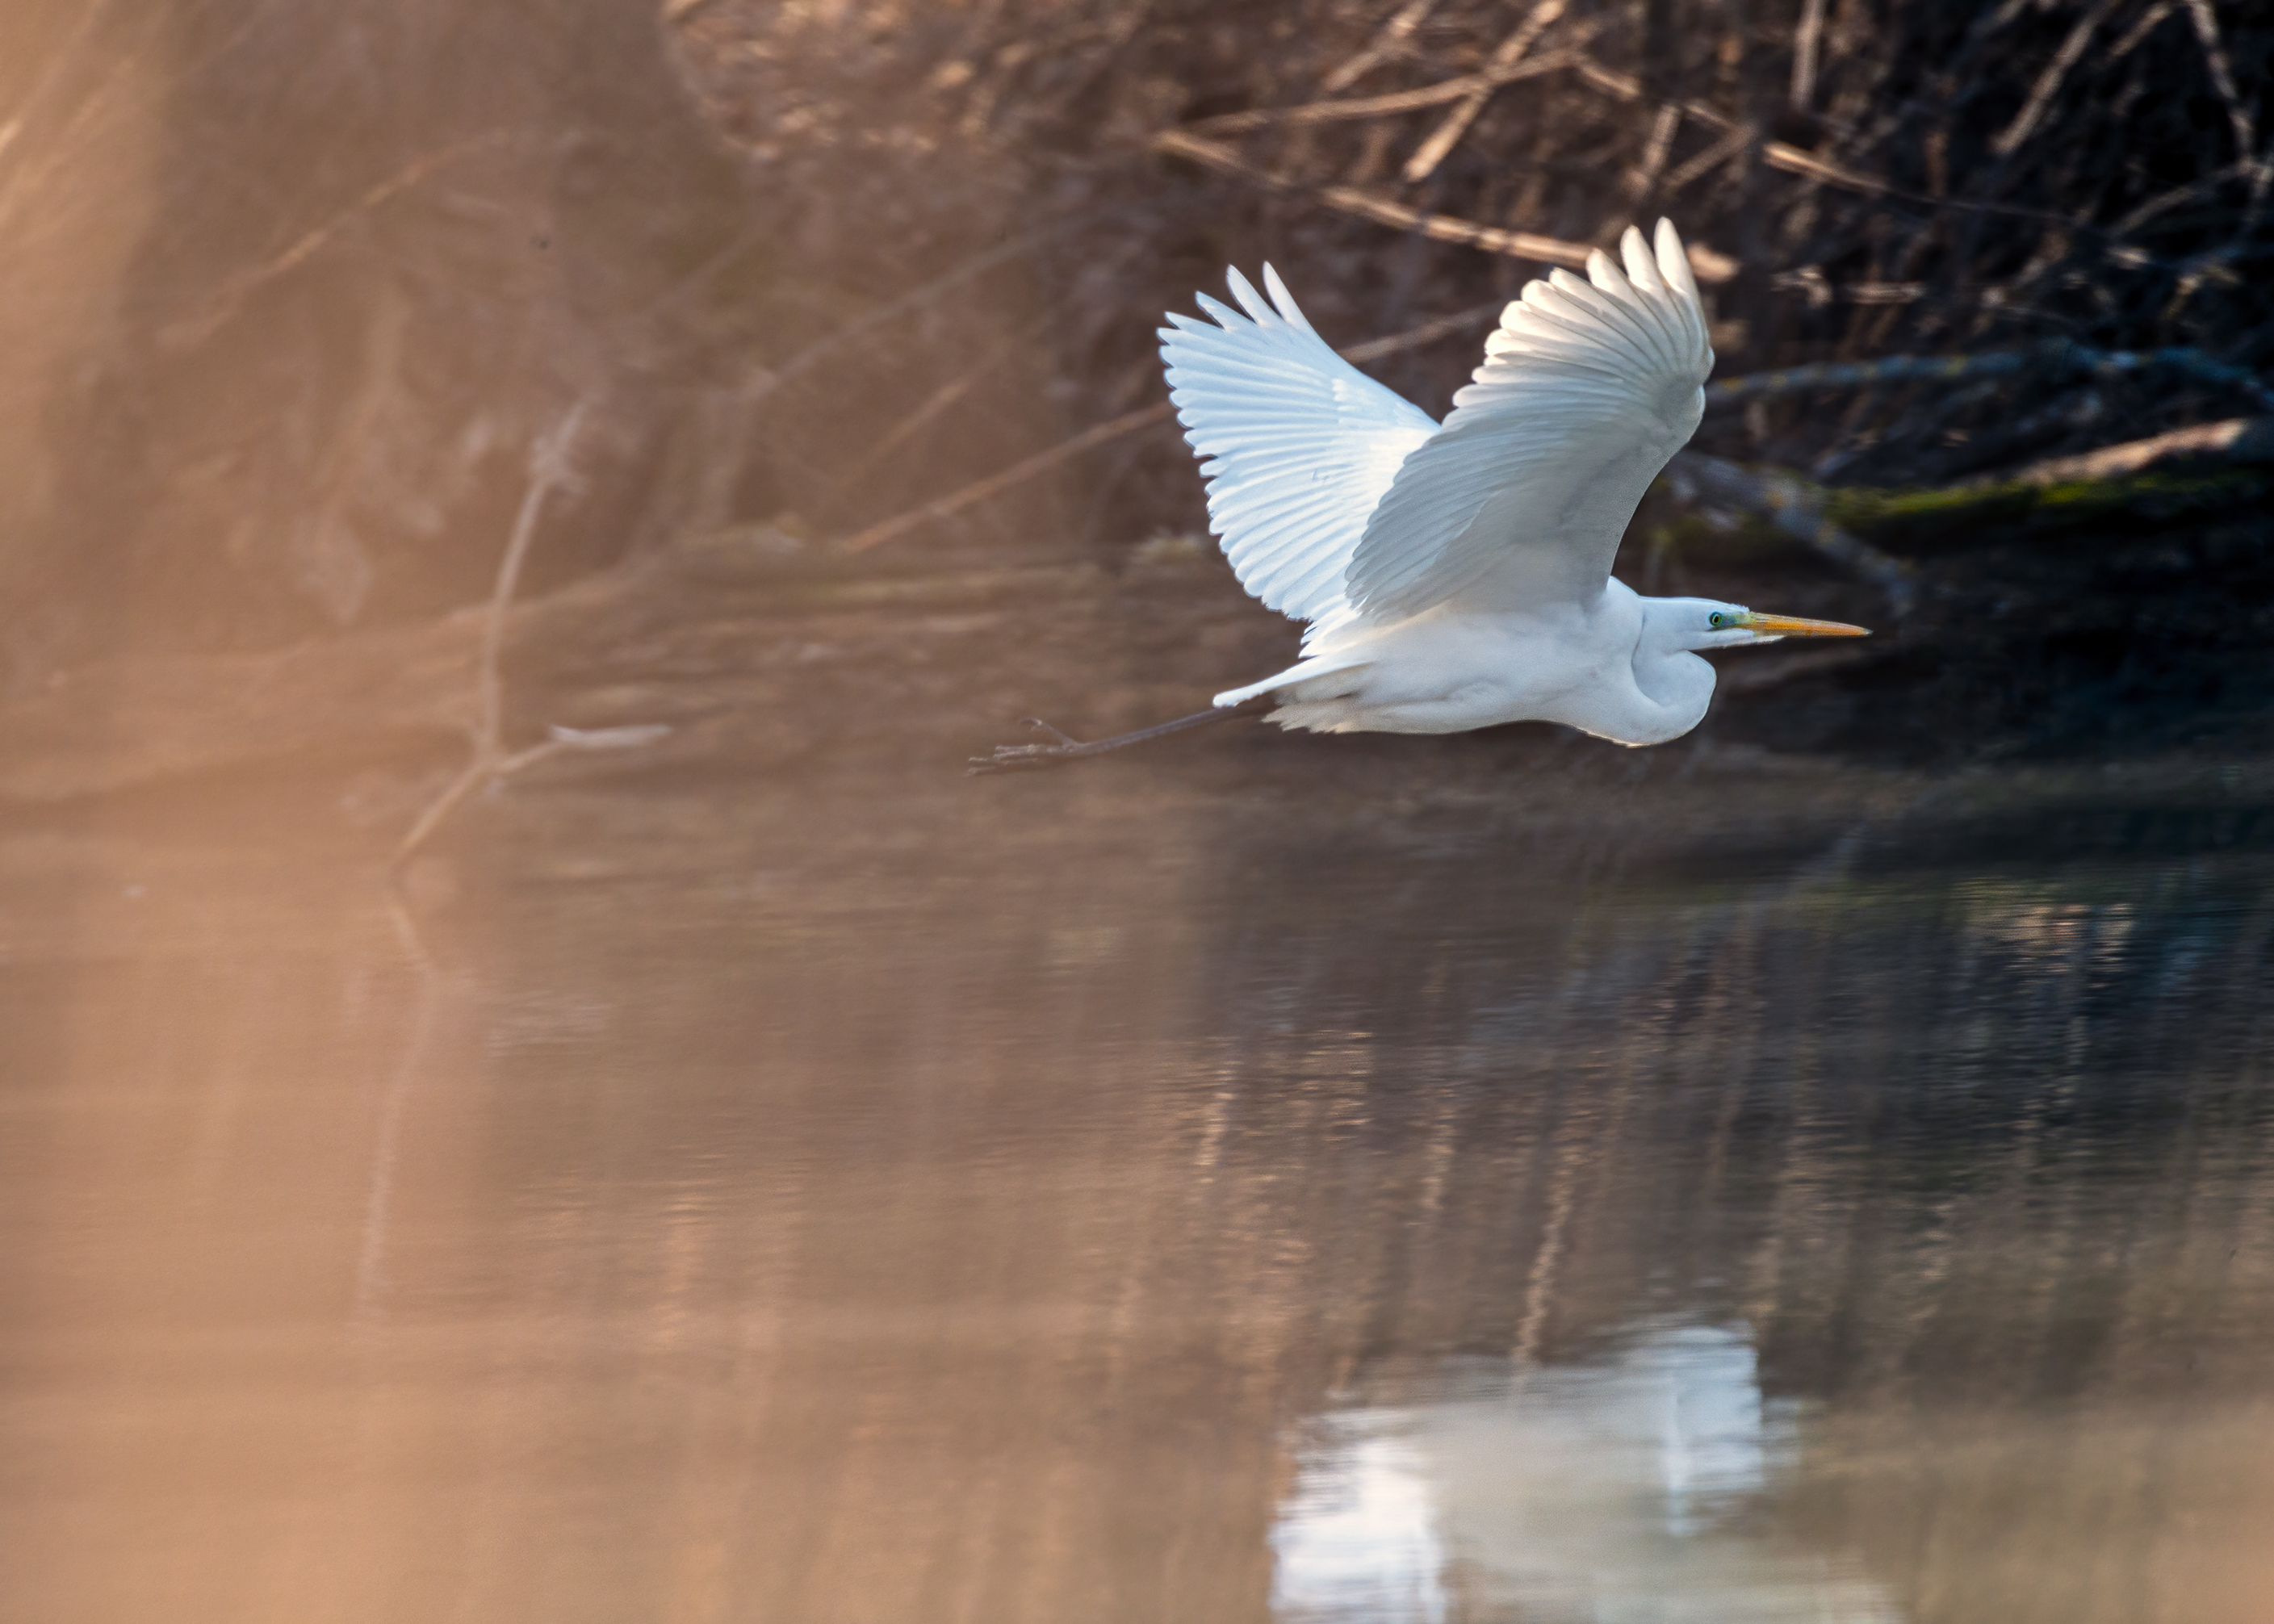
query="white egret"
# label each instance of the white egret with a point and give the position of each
(1456, 575)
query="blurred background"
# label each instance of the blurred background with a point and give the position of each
(534, 1088)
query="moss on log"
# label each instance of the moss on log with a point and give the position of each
(1924, 523)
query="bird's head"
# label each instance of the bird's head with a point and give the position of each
(1704, 623)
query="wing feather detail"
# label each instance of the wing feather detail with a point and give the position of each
(1587, 389)
(1297, 446)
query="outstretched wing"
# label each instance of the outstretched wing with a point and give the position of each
(1299, 444)
(1587, 389)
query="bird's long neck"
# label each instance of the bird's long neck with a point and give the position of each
(1675, 681)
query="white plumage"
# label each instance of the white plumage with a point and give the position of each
(1457, 575)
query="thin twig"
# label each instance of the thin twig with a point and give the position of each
(2222, 77)
(2151, 20)
(1382, 106)
(1806, 43)
(1777, 154)
(915, 422)
(1662, 132)
(1385, 44)
(2048, 82)
(2238, 440)
(1373, 205)
(1730, 147)
(1456, 123)
(766, 380)
(195, 330)
(549, 470)
(1018, 473)
(2060, 358)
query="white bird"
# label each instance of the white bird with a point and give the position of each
(1456, 575)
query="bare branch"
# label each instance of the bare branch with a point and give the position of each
(1777, 154)
(1662, 132)
(2048, 82)
(2222, 77)
(1442, 141)
(1390, 103)
(2058, 359)
(2238, 440)
(766, 380)
(1730, 147)
(549, 470)
(1373, 205)
(1805, 46)
(1386, 44)
(1794, 505)
(195, 330)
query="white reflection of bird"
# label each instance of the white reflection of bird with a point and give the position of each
(1457, 575)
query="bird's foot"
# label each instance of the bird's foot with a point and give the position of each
(1019, 757)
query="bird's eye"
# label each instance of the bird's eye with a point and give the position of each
(1715, 619)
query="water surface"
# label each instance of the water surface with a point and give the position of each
(1097, 1199)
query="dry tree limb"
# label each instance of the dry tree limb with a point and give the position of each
(549, 470)
(1018, 473)
(2163, 202)
(1384, 105)
(1456, 123)
(1663, 128)
(1794, 161)
(2149, 21)
(2238, 440)
(1373, 205)
(2048, 82)
(1806, 44)
(1794, 505)
(915, 422)
(1385, 45)
(1783, 156)
(1730, 148)
(1810, 281)
(1777, 154)
(766, 380)
(2061, 358)
(191, 331)
(2222, 78)
(1131, 423)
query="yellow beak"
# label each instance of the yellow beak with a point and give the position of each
(1793, 626)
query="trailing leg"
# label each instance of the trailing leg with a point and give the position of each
(1019, 757)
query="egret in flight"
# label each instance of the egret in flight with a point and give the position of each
(1457, 575)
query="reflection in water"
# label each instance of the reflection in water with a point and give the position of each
(1626, 1491)
(1358, 1538)
(882, 1209)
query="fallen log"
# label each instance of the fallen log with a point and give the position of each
(2237, 440)
(1869, 530)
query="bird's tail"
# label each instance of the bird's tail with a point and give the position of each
(1302, 671)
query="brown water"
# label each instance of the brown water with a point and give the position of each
(1081, 1200)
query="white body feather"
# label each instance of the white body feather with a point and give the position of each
(1457, 576)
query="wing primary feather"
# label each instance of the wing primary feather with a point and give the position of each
(1285, 300)
(1586, 388)
(1612, 304)
(1617, 306)
(1250, 301)
(1229, 319)
(1673, 264)
(1642, 270)
(1296, 445)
